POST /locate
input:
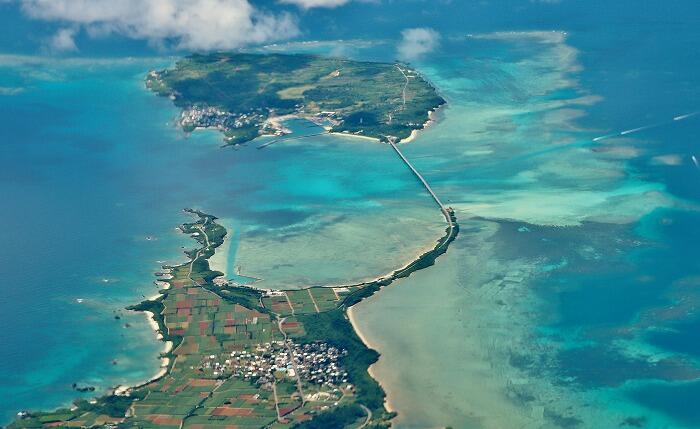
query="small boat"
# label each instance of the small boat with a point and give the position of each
(686, 116)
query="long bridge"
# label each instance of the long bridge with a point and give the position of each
(445, 210)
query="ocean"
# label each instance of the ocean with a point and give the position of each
(569, 298)
(97, 192)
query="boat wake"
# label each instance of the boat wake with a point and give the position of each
(646, 127)
(635, 130)
(686, 116)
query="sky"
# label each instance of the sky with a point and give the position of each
(91, 27)
(136, 27)
(69, 26)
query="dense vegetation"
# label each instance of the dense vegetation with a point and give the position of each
(340, 417)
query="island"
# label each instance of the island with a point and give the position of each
(241, 357)
(246, 95)
(237, 356)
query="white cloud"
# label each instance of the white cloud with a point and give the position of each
(308, 4)
(185, 24)
(64, 40)
(416, 42)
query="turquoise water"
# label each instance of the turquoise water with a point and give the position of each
(96, 193)
(569, 299)
(80, 149)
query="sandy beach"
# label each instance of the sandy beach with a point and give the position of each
(365, 340)
(359, 136)
(277, 122)
(410, 138)
(363, 337)
(165, 361)
(219, 260)
(151, 320)
(415, 133)
(162, 371)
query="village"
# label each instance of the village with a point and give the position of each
(212, 117)
(316, 363)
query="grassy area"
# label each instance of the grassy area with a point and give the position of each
(368, 98)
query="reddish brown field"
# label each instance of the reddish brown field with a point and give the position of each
(286, 410)
(185, 303)
(200, 382)
(164, 420)
(232, 412)
(303, 418)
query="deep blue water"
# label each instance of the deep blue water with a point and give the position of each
(74, 159)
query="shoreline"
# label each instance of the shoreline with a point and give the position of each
(219, 261)
(278, 123)
(125, 390)
(280, 130)
(121, 390)
(415, 133)
(168, 346)
(351, 317)
(415, 255)
(361, 136)
(153, 306)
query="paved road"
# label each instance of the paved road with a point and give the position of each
(291, 357)
(369, 416)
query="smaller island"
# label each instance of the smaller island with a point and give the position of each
(246, 95)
